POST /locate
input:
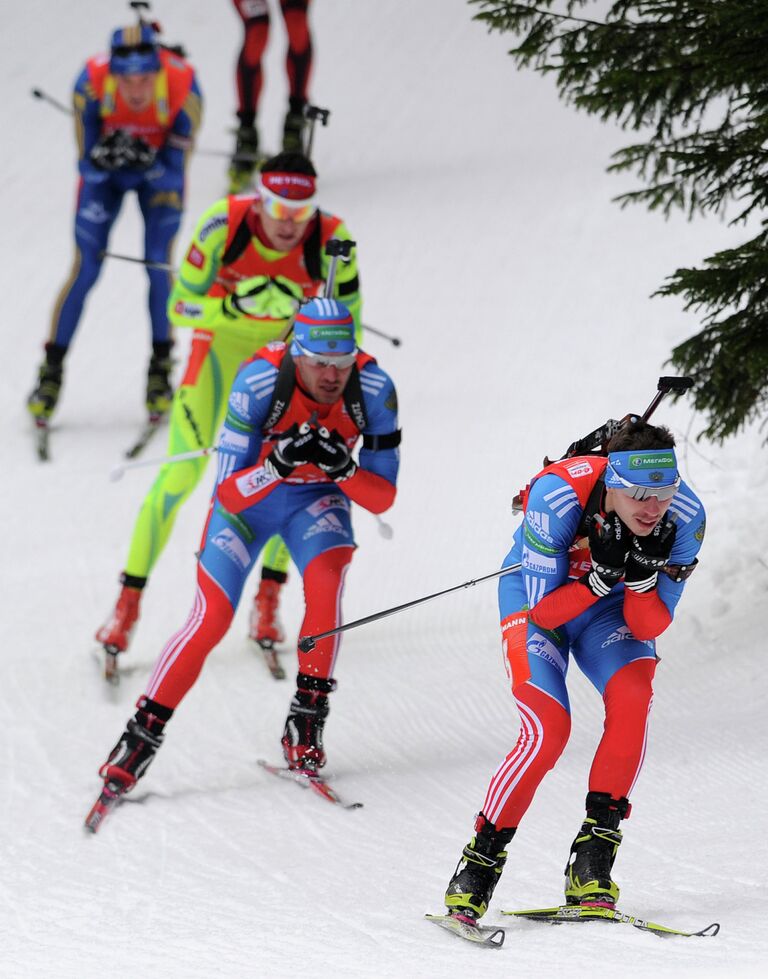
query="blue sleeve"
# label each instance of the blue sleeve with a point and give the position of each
(249, 400)
(543, 541)
(173, 154)
(87, 117)
(688, 512)
(380, 398)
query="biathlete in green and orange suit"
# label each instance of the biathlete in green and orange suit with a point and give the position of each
(252, 260)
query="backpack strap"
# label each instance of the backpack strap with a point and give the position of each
(240, 241)
(389, 441)
(353, 399)
(592, 507)
(242, 237)
(284, 387)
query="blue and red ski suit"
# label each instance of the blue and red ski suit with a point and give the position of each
(547, 616)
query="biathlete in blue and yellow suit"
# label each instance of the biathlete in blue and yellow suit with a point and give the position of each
(285, 467)
(136, 114)
(252, 259)
(604, 550)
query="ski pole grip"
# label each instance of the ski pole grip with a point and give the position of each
(315, 113)
(306, 644)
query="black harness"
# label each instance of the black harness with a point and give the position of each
(353, 401)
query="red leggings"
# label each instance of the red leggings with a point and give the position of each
(183, 656)
(255, 17)
(544, 730)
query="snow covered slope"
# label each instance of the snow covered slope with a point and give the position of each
(489, 243)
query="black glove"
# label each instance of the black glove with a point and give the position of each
(648, 555)
(296, 447)
(121, 151)
(609, 543)
(333, 456)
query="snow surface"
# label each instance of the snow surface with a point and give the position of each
(489, 242)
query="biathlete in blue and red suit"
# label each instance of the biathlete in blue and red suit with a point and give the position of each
(604, 550)
(136, 113)
(285, 467)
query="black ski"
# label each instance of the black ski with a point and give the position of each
(145, 436)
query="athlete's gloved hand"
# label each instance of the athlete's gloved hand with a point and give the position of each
(332, 455)
(648, 555)
(295, 448)
(609, 543)
(262, 297)
(165, 179)
(121, 151)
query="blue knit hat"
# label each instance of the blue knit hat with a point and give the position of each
(134, 50)
(323, 326)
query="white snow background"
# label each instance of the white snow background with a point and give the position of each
(488, 241)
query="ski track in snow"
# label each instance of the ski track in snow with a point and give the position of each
(489, 243)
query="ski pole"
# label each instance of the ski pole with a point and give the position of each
(162, 266)
(307, 643)
(166, 267)
(119, 471)
(312, 113)
(38, 93)
(395, 341)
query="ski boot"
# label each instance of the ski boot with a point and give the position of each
(244, 160)
(132, 754)
(588, 872)
(43, 400)
(265, 626)
(477, 874)
(129, 759)
(159, 391)
(303, 734)
(115, 634)
(293, 127)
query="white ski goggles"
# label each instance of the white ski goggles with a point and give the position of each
(325, 360)
(662, 493)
